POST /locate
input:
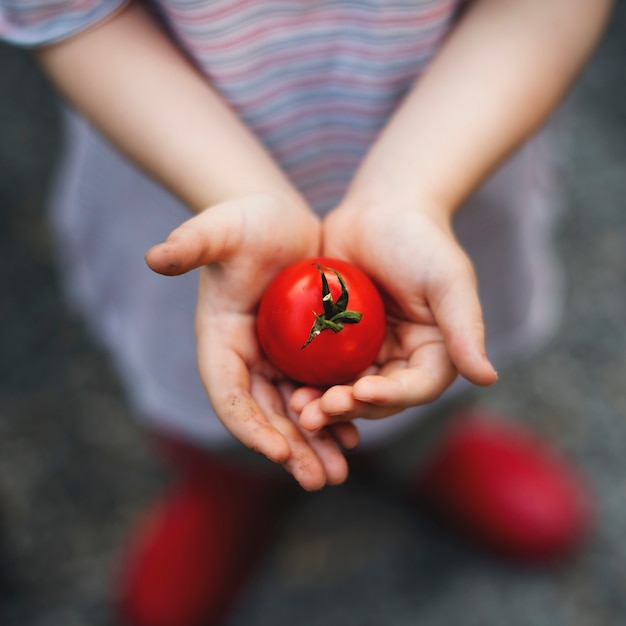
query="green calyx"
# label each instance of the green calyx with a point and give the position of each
(335, 314)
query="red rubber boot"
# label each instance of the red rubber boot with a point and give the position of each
(190, 557)
(505, 490)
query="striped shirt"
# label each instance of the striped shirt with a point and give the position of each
(315, 80)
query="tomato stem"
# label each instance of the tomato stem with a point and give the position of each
(335, 313)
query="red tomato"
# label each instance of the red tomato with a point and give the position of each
(316, 331)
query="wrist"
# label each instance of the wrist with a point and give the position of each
(288, 201)
(392, 199)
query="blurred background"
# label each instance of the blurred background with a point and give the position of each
(74, 471)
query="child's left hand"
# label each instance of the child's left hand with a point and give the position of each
(435, 329)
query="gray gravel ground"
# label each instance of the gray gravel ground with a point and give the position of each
(74, 471)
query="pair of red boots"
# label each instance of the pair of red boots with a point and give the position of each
(491, 481)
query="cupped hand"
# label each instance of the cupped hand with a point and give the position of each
(435, 329)
(239, 246)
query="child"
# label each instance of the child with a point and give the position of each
(356, 130)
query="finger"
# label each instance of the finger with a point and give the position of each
(400, 385)
(227, 382)
(329, 454)
(337, 405)
(315, 458)
(346, 434)
(314, 418)
(303, 462)
(421, 380)
(327, 443)
(303, 396)
(339, 408)
(245, 421)
(209, 237)
(458, 315)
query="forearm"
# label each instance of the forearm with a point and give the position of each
(131, 81)
(502, 71)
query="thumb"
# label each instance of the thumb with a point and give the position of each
(209, 237)
(458, 315)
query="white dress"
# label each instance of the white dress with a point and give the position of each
(315, 80)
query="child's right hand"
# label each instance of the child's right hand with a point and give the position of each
(239, 246)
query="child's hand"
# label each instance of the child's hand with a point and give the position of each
(240, 245)
(435, 328)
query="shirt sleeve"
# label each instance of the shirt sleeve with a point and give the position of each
(31, 23)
